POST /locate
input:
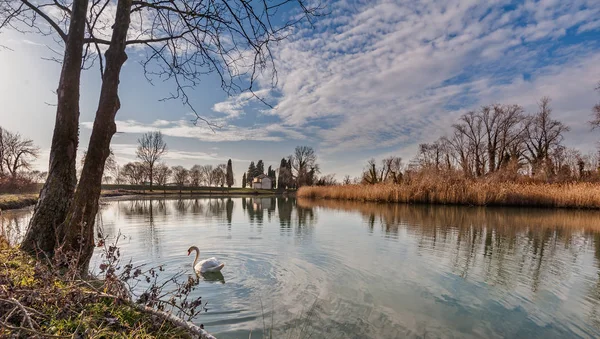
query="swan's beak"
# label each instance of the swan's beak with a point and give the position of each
(188, 253)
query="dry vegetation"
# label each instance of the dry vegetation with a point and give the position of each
(42, 298)
(13, 201)
(36, 302)
(446, 189)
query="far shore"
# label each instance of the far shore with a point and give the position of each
(577, 195)
(23, 200)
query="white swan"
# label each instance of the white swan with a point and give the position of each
(204, 266)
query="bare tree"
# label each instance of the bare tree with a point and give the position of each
(110, 167)
(209, 174)
(151, 148)
(327, 180)
(218, 175)
(471, 127)
(459, 149)
(392, 169)
(596, 111)
(162, 173)
(134, 172)
(304, 162)
(58, 190)
(196, 175)
(542, 135)
(183, 39)
(434, 155)
(17, 152)
(503, 128)
(371, 174)
(180, 176)
(347, 180)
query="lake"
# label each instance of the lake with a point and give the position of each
(357, 270)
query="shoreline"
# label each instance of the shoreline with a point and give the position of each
(25, 200)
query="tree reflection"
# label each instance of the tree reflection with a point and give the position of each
(13, 224)
(503, 247)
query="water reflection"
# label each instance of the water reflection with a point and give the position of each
(212, 277)
(375, 270)
(510, 249)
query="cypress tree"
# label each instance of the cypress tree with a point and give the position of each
(229, 177)
(251, 173)
(260, 168)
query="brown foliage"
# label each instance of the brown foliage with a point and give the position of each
(452, 188)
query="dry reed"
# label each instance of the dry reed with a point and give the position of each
(453, 191)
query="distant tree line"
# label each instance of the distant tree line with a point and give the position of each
(297, 170)
(497, 141)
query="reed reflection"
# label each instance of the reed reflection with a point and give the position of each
(503, 247)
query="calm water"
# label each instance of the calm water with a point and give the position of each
(355, 270)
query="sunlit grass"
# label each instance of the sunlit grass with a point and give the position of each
(456, 191)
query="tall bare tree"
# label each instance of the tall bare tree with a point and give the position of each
(58, 190)
(151, 148)
(18, 152)
(304, 162)
(542, 135)
(183, 39)
(460, 151)
(503, 128)
(472, 128)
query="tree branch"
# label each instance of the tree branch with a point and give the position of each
(54, 25)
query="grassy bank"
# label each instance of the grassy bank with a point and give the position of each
(465, 192)
(36, 302)
(14, 201)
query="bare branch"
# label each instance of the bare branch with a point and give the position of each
(51, 22)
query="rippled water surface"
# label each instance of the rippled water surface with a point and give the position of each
(355, 270)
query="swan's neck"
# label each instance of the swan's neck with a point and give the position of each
(197, 256)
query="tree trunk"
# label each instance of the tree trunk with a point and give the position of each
(78, 228)
(57, 192)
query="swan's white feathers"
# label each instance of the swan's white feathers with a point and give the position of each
(207, 265)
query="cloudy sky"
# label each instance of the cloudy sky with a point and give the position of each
(373, 78)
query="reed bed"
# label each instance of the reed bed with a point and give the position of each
(441, 190)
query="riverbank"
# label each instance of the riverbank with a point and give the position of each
(17, 201)
(464, 192)
(36, 302)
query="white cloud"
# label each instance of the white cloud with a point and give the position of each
(186, 129)
(380, 74)
(126, 152)
(234, 106)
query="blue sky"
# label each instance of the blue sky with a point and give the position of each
(372, 79)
